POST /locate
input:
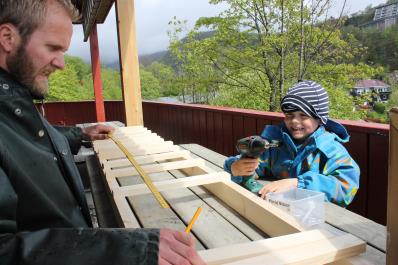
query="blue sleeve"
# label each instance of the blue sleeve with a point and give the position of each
(339, 179)
(227, 167)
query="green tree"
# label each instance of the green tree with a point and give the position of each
(111, 84)
(259, 49)
(65, 86)
(150, 85)
(165, 76)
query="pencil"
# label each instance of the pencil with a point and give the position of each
(195, 216)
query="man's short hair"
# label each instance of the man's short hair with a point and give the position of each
(27, 15)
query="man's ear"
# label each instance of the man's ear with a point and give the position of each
(9, 37)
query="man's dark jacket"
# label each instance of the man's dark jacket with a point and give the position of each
(44, 218)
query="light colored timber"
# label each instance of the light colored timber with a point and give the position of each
(141, 144)
(168, 185)
(129, 65)
(272, 220)
(318, 252)
(124, 162)
(117, 153)
(128, 218)
(131, 171)
(244, 251)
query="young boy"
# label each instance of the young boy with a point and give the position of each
(311, 155)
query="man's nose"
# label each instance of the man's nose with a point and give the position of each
(59, 62)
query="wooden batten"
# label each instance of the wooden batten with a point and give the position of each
(187, 183)
(392, 213)
(129, 65)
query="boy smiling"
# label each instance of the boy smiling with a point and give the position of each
(312, 155)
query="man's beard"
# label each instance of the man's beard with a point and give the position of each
(21, 66)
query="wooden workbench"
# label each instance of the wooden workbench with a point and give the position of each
(227, 227)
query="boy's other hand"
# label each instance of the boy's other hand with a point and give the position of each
(177, 247)
(278, 186)
(244, 167)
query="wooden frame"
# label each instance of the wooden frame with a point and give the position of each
(290, 244)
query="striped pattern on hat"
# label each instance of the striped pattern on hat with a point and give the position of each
(309, 97)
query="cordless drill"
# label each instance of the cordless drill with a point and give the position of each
(254, 146)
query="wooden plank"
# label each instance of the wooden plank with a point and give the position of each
(202, 128)
(145, 159)
(392, 214)
(218, 132)
(129, 65)
(117, 153)
(184, 203)
(378, 178)
(249, 126)
(359, 148)
(270, 219)
(168, 185)
(371, 232)
(153, 168)
(241, 223)
(318, 252)
(228, 139)
(128, 218)
(244, 251)
(210, 131)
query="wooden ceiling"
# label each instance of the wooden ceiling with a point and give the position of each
(93, 12)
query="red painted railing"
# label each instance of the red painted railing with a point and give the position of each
(218, 128)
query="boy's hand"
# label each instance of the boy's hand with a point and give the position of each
(177, 247)
(244, 167)
(279, 185)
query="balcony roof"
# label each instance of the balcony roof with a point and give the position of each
(93, 12)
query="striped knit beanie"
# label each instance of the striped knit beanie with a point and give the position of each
(309, 97)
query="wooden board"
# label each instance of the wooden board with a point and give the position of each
(392, 213)
(229, 211)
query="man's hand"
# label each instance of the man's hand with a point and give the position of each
(177, 247)
(277, 186)
(244, 167)
(96, 132)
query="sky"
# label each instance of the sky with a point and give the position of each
(152, 18)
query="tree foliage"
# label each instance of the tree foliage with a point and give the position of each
(259, 49)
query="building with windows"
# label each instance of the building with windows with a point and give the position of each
(385, 16)
(380, 91)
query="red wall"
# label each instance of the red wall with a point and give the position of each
(218, 128)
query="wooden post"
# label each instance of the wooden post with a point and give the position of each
(96, 70)
(129, 65)
(392, 213)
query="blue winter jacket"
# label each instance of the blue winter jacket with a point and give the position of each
(321, 163)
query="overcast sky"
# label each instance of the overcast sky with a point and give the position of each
(152, 17)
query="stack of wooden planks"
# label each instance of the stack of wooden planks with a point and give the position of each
(234, 222)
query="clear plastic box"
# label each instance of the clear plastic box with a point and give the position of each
(307, 206)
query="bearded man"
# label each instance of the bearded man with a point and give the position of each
(44, 218)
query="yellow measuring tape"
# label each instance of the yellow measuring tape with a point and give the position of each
(142, 173)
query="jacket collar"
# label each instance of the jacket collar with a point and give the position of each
(12, 87)
(320, 139)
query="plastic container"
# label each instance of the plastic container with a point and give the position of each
(307, 206)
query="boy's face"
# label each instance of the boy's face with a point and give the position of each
(300, 125)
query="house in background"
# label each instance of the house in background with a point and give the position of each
(385, 16)
(379, 90)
